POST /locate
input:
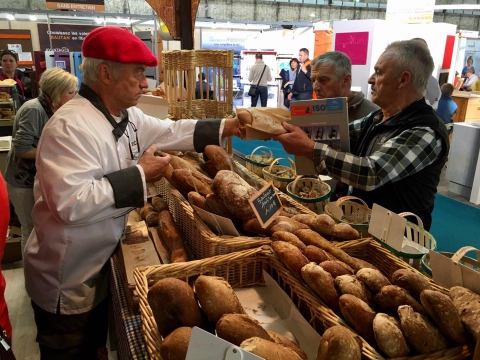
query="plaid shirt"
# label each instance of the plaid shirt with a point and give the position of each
(397, 158)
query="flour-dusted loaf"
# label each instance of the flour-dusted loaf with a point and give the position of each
(317, 255)
(336, 268)
(420, 332)
(322, 283)
(374, 279)
(234, 193)
(269, 350)
(389, 336)
(411, 281)
(236, 328)
(444, 314)
(359, 315)
(468, 306)
(290, 238)
(284, 223)
(339, 343)
(390, 297)
(219, 157)
(323, 224)
(291, 256)
(349, 284)
(344, 231)
(174, 305)
(216, 297)
(175, 345)
(283, 340)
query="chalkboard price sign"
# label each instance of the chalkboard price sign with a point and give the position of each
(266, 204)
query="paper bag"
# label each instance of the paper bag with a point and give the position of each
(262, 123)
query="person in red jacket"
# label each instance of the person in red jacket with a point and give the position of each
(4, 219)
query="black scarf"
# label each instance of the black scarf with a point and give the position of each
(118, 128)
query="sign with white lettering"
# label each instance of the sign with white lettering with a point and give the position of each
(266, 204)
(79, 5)
(64, 37)
(410, 11)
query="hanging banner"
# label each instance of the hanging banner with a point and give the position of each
(80, 5)
(410, 11)
(64, 37)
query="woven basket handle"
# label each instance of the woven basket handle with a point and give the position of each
(261, 147)
(463, 251)
(292, 165)
(294, 185)
(420, 222)
(273, 163)
(345, 198)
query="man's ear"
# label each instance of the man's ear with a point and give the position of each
(404, 79)
(347, 81)
(105, 74)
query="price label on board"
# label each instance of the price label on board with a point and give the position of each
(266, 204)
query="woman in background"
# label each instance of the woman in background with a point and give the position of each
(468, 66)
(57, 87)
(9, 62)
(288, 78)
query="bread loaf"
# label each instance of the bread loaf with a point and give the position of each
(322, 283)
(316, 255)
(339, 343)
(218, 207)
(253, 226)
(307, 219)
(442, 311)
(178, 163)
(344, 231)
(411, 281)
(234, 193)
(159, 204)
(389, 336)
(192, 181)
(349, 284)
(236, 328)
(374, 279)
(391, 297)
(216, 297)
(359, 315)
(174, 305)
(282, 340)
(283, 223)
(291, 256)
(421, 334)
(268, 350)
(175, 345)
(468, 306)
(336, 268)
(290, 238)
(209, 168)
(170, 233)
(219, 157)
(310, 237)
(198, 200)
(148, 213)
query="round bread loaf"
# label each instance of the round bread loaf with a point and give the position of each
(411, 281)
(359, 315)
(389, 336)
(216, 297)
(442, 311)
(322, 283)
(391, 297)
(291, 256)
(236, 328)
(374, 279)
(421, 334)
(336, 268)
(269, 350)
(234, 193)
(283, 340)
(349, 284)
(316, 255)
(339, 343)
(175, 345)
(290, 238)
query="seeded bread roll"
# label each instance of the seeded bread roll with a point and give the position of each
(374, 279)
(389, 336)
(322, 283)
(358, 315)
(216, 297)
(411, 281)
(391, 297)
(468, 306)
(290, 238)
(316, 255)
(219, 157)
(236, 328)
(282, 340)
(291, 256)
(344, 231)
(442, 311)
(336, 268)
(339, 343)
(421, 334)
(268, 350)
(175, 345)
(349, 284)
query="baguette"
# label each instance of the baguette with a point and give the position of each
(291, 256)
(344, 231)
(336, 268)
(322, 283)
(316, 255)
(170, 233)
(290, 238)
(359, 315)
(194, 198)
(192, 181)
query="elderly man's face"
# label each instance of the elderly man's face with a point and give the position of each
(128, 88)
(384, 85)
(326, 84)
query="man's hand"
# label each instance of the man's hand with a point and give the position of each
(296, 141)
(231, 127)
(153, 166)
(289, 96)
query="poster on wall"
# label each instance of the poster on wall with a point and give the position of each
(354, 45)
(80, 5)
(64, 37)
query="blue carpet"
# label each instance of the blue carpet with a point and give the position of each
(454, 224)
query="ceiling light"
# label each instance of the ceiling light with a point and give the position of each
(98, 20)
(10, 17)
(32, 18)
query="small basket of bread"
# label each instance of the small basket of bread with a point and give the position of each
(311, 192)
(351, 210)
(280, 175)
(256, 162)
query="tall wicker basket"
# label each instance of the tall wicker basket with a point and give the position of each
(181, 69)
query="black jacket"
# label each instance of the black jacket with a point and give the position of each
(303, 83)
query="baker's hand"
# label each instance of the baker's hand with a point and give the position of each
(153, 166)
(231, 127)
(296, 141)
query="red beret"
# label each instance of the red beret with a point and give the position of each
(117, 44)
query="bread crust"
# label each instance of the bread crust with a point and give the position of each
(373, 279)
(411, 281)
(349, 284)
(175, 345)
(391, 297)
(291, 256)
(322, 283)
(339, 343)
(359, 315)
(389, 336)
(236, 328)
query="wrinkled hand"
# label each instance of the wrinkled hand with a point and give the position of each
(296, 141)
(153, 166)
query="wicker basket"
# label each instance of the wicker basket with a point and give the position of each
(356, 213)
(270, 173)
(254, 166)
(417, 234)
(316, 204)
